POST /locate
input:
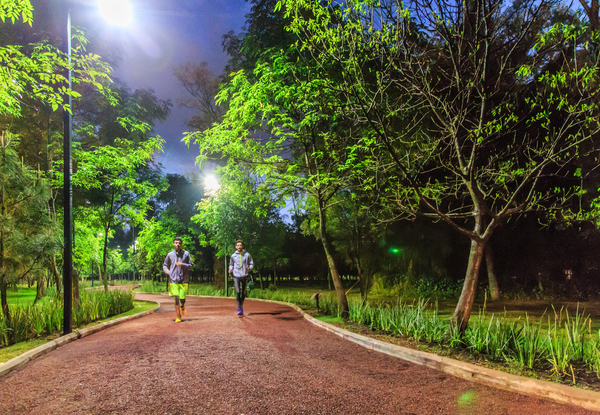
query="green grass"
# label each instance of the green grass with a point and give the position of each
(330, 319)
(10, 352)
(23, 296)
(18, 349)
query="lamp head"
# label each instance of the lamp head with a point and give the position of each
(211, 183)
(116, 12)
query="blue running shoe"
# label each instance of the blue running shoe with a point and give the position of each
(240, 312)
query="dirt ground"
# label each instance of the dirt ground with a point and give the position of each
(271, 361)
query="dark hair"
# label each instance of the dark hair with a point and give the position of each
(177, 238)
(239, 241)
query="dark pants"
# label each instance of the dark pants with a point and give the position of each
(240, 290)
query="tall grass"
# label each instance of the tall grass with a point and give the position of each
(527, 345)
(46, 316)
(555, 346)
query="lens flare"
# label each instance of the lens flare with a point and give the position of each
(467, 398)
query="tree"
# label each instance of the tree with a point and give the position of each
(468, 121)
(37, 71)
(279, 127)
(112, 172)
(33, 85)
(356, 236)
(202, 86)
(263, 34)
(26, 228)
(240, 210)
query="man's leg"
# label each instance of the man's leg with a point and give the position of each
(182, 299)
(238, 298)
(183, 309)
(177, 309)
(243, 292)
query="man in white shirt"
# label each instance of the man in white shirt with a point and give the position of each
(240, 265)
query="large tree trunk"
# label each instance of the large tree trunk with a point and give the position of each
(460, 319)
(491, 272)
(4, 300)
(39, 288)
(343, 308)
(593, 12)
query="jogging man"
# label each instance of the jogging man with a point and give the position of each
(240, 265)
(177, 265)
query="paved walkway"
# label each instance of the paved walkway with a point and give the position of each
(271, 361)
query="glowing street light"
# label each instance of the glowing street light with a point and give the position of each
(211, 184)
(116, 12)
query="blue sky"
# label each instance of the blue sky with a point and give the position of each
(167, 33)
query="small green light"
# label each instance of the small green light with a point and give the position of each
(466, 398)
(394, 250)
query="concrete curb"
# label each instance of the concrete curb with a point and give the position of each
(15, 362)
(533, 387)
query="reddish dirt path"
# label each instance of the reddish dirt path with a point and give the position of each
(271, 361)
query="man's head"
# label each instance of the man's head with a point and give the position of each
(239, 246)
(177, 242)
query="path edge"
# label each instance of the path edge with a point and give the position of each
(15, 362)
(501, 380)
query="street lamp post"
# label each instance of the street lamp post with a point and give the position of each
(120, 15)
(67, 192)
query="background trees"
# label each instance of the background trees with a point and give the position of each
(468, 119)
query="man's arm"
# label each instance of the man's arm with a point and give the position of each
(231, 263)
(186, 261)
(167, 265)
(250, 262)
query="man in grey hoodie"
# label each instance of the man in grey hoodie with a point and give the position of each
(240, 266)
(177, 266)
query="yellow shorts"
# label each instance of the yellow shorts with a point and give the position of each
(179, 290)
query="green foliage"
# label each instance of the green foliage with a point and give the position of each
(279, 127)
(27, 231)
(46, 316)
(37, 72)
(470, 127)
(155, 241)
(527, 344)
(12, 9)
(240, 209)
(112, 174)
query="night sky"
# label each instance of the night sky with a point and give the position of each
(167, 33)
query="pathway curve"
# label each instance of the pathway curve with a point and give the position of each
(271, 361)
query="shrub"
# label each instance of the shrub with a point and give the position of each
(46, 316)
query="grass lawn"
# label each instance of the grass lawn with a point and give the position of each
(7, 353)
(23, 296)
(331, 320)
